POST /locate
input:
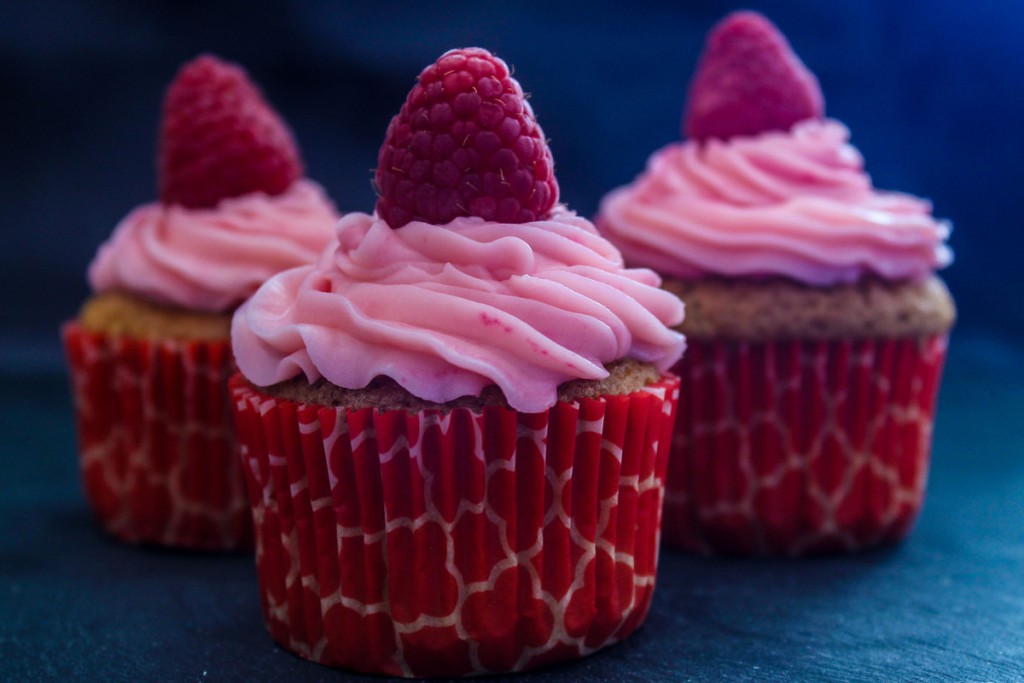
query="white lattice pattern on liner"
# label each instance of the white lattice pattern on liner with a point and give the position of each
(758, 473)
(517, 564)
(155, 468)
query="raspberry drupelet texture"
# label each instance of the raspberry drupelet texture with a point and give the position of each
(219, 138)
(465, 143)
(749, 81)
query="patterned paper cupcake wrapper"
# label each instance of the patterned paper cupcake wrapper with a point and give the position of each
(797, 447)
(157, 450)
(434, 544)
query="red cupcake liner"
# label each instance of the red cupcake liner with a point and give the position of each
(801, 447)
(433, 544)
(157, 450)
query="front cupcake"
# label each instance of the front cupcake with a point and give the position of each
(149, 354)
(817, 327)
(456, 423)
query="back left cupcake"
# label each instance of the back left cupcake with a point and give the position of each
(149, 354)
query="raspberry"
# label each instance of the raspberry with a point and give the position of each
(749, 81)
(219, 138)
(465, 143)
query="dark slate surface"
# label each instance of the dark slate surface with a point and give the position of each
(947, 605)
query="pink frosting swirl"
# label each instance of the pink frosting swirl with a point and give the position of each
(796, 204)
(448, 310)
(212, 259)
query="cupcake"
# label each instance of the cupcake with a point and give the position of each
(455, 425)
(149, 353)
(817, 327)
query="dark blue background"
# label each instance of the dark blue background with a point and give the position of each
(933, 92)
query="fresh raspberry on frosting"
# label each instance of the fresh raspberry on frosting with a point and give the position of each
(219, 138)
(749, 81)
(465, 143)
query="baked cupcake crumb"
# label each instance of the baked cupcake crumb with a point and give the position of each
(383, 393)
(778, 308)
(119, 314)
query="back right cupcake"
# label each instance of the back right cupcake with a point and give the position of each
(816, 325)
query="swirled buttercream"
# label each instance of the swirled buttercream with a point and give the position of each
(212, 259)
(448, 310)
(796, 204)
